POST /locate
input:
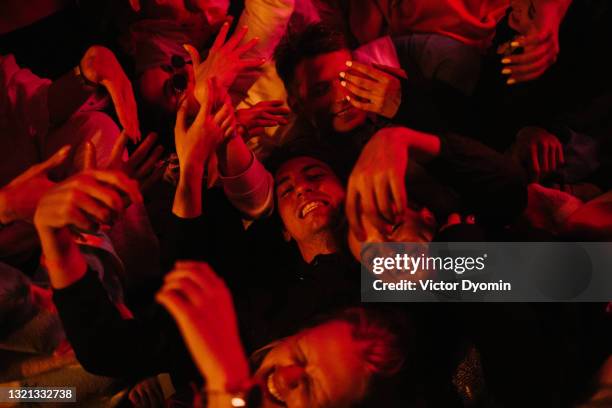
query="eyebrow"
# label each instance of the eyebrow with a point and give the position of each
(282, 181)
(313, 166)
(305, 169)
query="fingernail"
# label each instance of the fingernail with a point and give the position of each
(511, 81)
(506, 61)
(349, 63)
(64, 150)
(343, 83)
(342, 74)
(186, 47)
(256, 38)
(348, 98)
(515, 44)
(506, 71)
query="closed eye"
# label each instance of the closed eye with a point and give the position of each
(320, 89)
(286, 192)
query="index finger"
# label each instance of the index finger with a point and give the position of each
(120, 182)
(118, 149)
(220, 37)
(365, 69)
(237, 38)
(531, 40)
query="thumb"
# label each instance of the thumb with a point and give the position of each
(58, 158)
(180, 126)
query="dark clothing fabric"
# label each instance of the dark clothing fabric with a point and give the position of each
(467, 177)
(271, 302)
(490, 186)
(107, 344)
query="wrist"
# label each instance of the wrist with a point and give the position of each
(61, 256)
(188, 196)
(248, 395)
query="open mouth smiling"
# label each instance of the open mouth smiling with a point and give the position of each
(272, 390)
(310, 206)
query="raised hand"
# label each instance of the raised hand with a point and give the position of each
(100, 66)
(147, 394)
(18, 200)
(202, 306)
(86, 201)
(373, 89)
(195, 141)
(540, 149)
(224, 61)
(262, 115)
(540, 43)
(142, 164)
(376, 187)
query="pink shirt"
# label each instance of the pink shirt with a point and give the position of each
(469, 21)
(24, 118)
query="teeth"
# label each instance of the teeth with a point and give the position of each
(272, 387)
(309, 207)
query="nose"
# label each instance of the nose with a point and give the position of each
(289, 377)
(303, 186)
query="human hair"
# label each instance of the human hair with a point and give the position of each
(382, 351)
(301, 43)
(306, 147)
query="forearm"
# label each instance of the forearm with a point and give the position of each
(248, 186)
(66, 95)
(107, 344)
(234, 157)
(188, 196)
(422, 147)
(63, 260)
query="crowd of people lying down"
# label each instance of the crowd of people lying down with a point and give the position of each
(187, 185)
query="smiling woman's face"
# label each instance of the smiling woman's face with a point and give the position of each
(321, 97)
(318, 367)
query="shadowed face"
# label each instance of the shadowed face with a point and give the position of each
(163, 87)
(320, 96)
(416, 225)
(309, 196)
(318, 367)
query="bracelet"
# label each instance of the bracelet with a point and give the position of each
(78, 71)
(248, 398)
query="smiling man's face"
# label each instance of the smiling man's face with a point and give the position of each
(309, 195)
(320, 96)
